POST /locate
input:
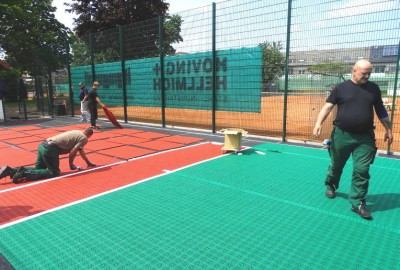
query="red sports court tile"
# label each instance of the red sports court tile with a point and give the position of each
(126, 152)
(49, 135)
(3, 145)
(181, 139)
(25, 128)
(32, 146)
(42, 131)
(100, 135)
(18, 141)
(98, 159)
(80, 186)
(160, 145)
(100, 144)
(73, 127)
(101, 160)
(8, 131)
(95, 158)
(126, 131)
(16, 157)
(127, 140)
(149, 135)
(12, 135)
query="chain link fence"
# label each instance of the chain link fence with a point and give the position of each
(263, 66)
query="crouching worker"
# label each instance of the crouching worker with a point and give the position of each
(47, 163)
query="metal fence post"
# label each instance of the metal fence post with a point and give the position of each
(396, 79)
(71, 92)
(123, 70)
(161, 51)
(289, 18)
(214, 70)
(91, 45)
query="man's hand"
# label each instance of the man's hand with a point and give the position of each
(317, 130)
(388, 137)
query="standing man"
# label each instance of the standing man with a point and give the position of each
(353, 133)
(93, 99)
(85, 116)
(47, 161)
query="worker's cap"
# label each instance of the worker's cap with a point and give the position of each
(81, 83)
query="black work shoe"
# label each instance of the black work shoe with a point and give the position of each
(19, 175)
(330, 191)
(5, 171)
(361, 211)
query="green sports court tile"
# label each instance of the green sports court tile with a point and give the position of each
(262, 209)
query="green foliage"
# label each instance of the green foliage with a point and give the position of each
(10, 79)
(172, 30)
(336, 69)
(80, 51)
(106, 44)
(273, 61)
(96, 16)
(141, 21)
(32, 38)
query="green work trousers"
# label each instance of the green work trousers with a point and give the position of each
(47, 163)
(363, 150)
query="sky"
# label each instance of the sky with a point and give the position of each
(315, 24)
(175, 6)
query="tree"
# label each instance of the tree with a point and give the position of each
(96, 16)
(273, 61)
(80, 50)
(31, 37)
(335, 69)
(141, 20)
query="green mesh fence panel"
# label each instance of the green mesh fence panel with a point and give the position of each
(325, 40)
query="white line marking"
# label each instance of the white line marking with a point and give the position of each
(100, 194)
(39, 182)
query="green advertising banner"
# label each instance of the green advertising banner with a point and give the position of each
(187, 81)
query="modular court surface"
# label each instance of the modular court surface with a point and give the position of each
(170, 199)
